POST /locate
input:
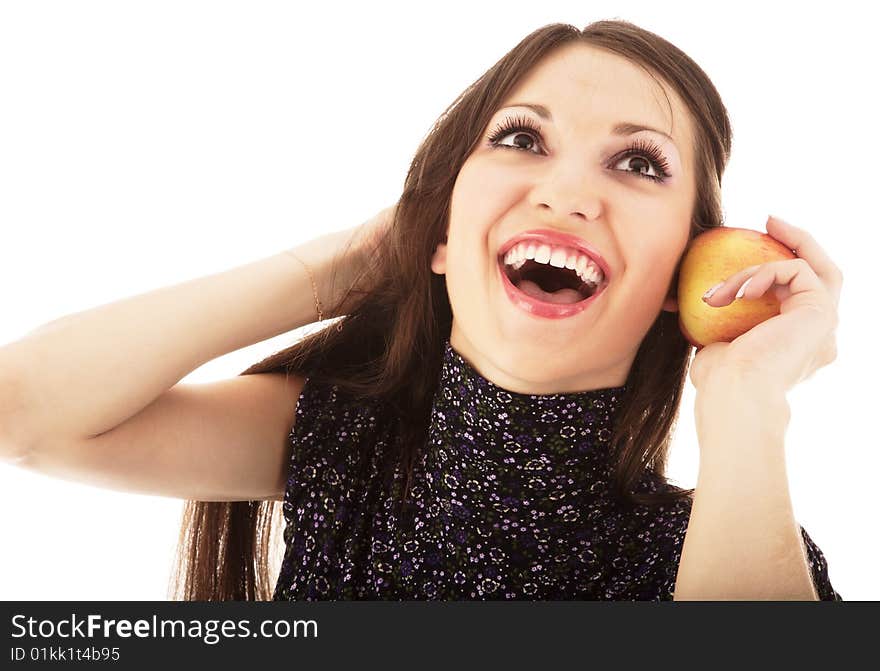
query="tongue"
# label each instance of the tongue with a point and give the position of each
(560, 296)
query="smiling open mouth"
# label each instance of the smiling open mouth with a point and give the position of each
(548, 283)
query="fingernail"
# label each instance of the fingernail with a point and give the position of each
(711, 291)
(742, 289)
(773, 216)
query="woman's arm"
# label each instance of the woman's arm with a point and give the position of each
(742, 540)
(87, 372)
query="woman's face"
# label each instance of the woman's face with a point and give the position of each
(573, 177)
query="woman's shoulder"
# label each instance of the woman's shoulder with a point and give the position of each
(334, 441)
(327, 408)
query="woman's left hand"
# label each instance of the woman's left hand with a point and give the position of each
(789, 347)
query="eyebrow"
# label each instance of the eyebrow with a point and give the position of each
(622, 128)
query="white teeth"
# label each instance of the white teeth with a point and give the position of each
(559, 257)
(542, 255)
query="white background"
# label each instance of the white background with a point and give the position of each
(143, 144)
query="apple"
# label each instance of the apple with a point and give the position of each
(712, 257)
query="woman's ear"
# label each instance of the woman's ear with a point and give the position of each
(438, 260)
(671, 302)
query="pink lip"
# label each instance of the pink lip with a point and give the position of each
(550, 237)
(542, 309)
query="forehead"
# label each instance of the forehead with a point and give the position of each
(589, 87)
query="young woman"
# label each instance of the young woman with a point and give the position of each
(490, 414)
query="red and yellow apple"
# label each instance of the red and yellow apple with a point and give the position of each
(712, 257)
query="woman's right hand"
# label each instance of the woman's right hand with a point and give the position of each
(366, 237)
(351, 250)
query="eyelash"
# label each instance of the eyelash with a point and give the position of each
(644, 148)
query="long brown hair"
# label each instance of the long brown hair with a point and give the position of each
(389, 344)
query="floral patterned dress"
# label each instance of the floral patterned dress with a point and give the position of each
(510, 499)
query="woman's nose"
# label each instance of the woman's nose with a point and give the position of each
(570, 191)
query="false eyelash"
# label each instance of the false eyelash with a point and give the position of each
(644, 148)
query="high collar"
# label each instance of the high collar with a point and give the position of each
(513, 427)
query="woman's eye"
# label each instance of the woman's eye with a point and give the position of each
(519, 137)
(640, 167)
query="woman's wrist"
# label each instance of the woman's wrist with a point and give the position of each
(327, 261)
(742, 399)
(318, 310)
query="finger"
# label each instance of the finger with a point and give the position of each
(729, 286)
(805, 246)
(794, 276)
